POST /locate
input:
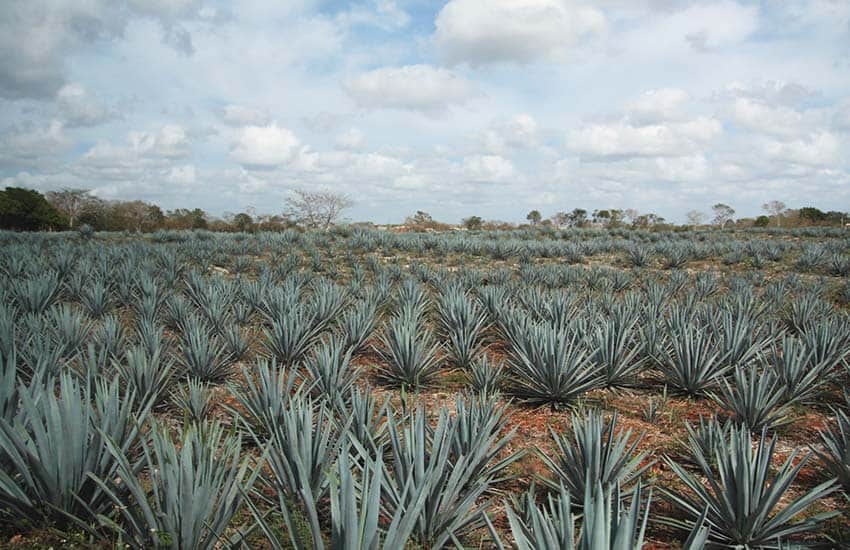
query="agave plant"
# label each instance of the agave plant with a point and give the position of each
(147, 375)
(355, 514)
(194, 399)
(56, 443)
(691, 364)
(408, 352)
(617, 352)
(202, 354)
(607, 523)
(265, 394)
(836, 453)
(302, 447)
(595, 452)
(799, 374)
(478, 439)
(549, 367)
(36, 294)
(462, 324)
(331, 371)
(741, 501)
(358, 325)
(486, 377)
(291, 335)
(707, 435)
(192, 491)
(755, 398)
(422, 460)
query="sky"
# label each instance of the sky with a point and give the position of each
(457, 108)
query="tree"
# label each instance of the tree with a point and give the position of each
(812, 214)
(534, 217)
(317, 209)
(561, 219)
(139, 215)
(420, 219)
(601, 217)
(28, 210)
(577, 218)
(695, 217)
(72, 202)
(723, 213)
(761, 221)
(243, 222)
(473, 223)
(630, 215)
(775, 208)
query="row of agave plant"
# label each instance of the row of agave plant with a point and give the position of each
(84, 453)
(98, 353)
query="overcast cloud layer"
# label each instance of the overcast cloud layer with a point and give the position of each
(458, 108)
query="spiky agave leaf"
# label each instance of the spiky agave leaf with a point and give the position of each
(607, 523)
(617, 351)
(421, 458)
(264, 393)
(56, 441)
(741, 498)
(692, 363)
(331, 371)
(202, 354)
(549, 367)
(147, 375)
(409, 352)
(755, 398)
(486, 377)
(836, 453)
(800, 374)
(462, 326)
(192, 491)
(193, 399)
(594, 451)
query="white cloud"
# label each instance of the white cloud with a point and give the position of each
(662, 140)
(415, 87)
(170, 142)
(182, 175)
(658, 105)
(33, 145)
(241, 115)
(79, 108)
(488, 169)
(520, 132)
(265, 146)
(384, 14)
(489, 31)
(759, 116)
(819, 149)
(350, 140)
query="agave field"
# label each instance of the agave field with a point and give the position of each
(532, 389)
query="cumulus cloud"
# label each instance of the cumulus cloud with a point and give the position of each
(242, 115)
(659, 105)
(32, 145)
(384, 14)
(265, 146)
(479, 32)
(818, 149)
(661, 140)
(520, 132)
(36, 36)
(759, 116)
(350, 140)
(488, 169)
(79, 108)
(415, 87)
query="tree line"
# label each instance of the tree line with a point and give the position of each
(78, 209)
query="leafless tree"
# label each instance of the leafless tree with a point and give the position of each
(775, 209)
(317, 209)
(723, 213)
(630, 214)
(72, 203)
(695, 217)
